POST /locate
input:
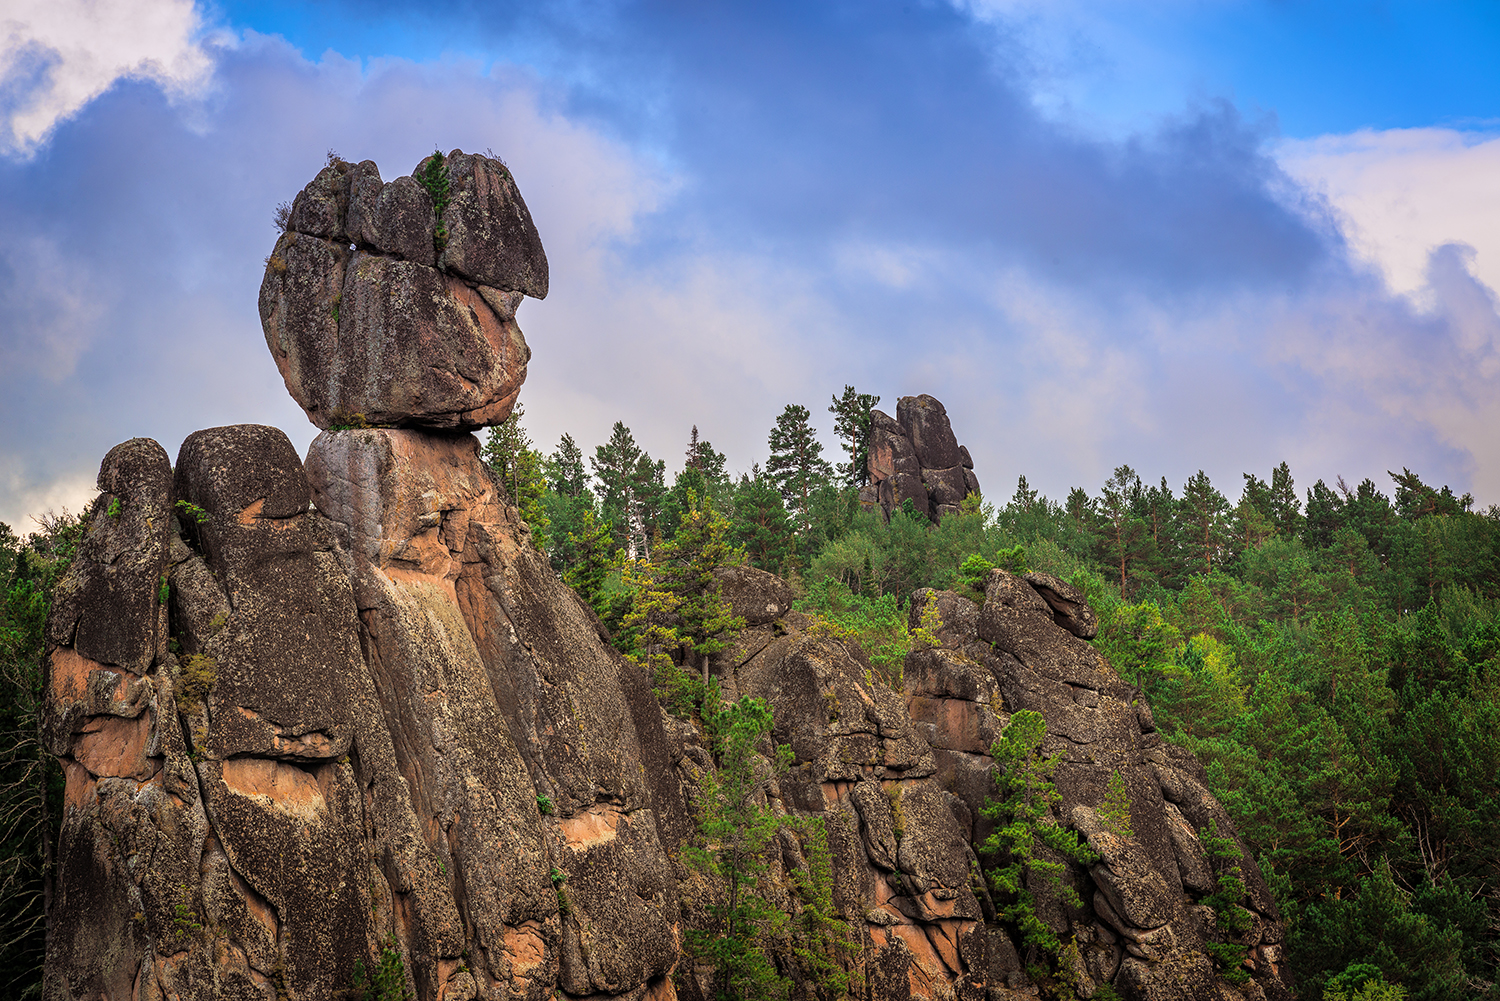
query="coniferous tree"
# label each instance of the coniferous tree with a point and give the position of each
(796, 464)
(1205, 515)
(1324, 516)
(1124, 538)
(734, 833)
(760, 524)
(566, 474)
(1286, 509)
(509, 455)
(648, 491)
(851, 425)
(615, 464)
(565, 502)
(1253, 522)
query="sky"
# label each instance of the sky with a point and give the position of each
(1178, 234)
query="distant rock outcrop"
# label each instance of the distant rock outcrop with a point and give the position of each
(382, 311)
(916, 457)
(318, 716)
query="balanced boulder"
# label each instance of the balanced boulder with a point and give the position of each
(393, 305)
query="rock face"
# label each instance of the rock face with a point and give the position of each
(916, 457)
(368, 716)
(323, 716)
(379, 311)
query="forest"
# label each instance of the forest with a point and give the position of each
(1332, 656)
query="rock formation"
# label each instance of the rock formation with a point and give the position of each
(381, 310)
(324, 715)
(916, 457)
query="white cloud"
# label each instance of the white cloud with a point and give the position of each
(58, 55)
(1403, 193)
(22, 499)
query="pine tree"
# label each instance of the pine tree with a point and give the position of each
(1253, 522)
(1286, 510)
(1125, 540)
(796, 464)
(1205, 515)
(851, 425)
(1023, 778)
(734, 833)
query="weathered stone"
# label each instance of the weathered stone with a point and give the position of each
(754, 595)
(925, 421)
(374, 334)
(967, 462)
(890, 450)
(491, 238)
(946, 487)
(535, 709)
(909, 486)
(365, 186)
(431, 352)
(1128, 876)
(106, 607)
(319, 209)
(915, 456)
(1069, 609)
(404, 222)
(300, 302)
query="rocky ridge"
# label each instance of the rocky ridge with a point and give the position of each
(916, 457)
(313, 713)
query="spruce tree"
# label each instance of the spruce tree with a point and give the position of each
(796, 464)
(566, 474)
(615, 465)
(761, 526)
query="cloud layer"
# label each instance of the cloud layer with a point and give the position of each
(748, 207)
(57, 56)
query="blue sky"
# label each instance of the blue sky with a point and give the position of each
(1178, 235)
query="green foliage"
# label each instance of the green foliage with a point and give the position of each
(196, 676)
(1114, 811)
(1335, 664)
(387, 981)
(930, 623)
(678, 617)
(826, 948)
(187, 509)
(851, 425)
(544, 804)
(796, 464)
(878, 625)
(433, 177)
(508, 453)
(1025, 827)
(1362, 982)
(1231, 918)
(114, 509)
(31, 783)
(185, 919)
(735, 831)
(163, 590)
